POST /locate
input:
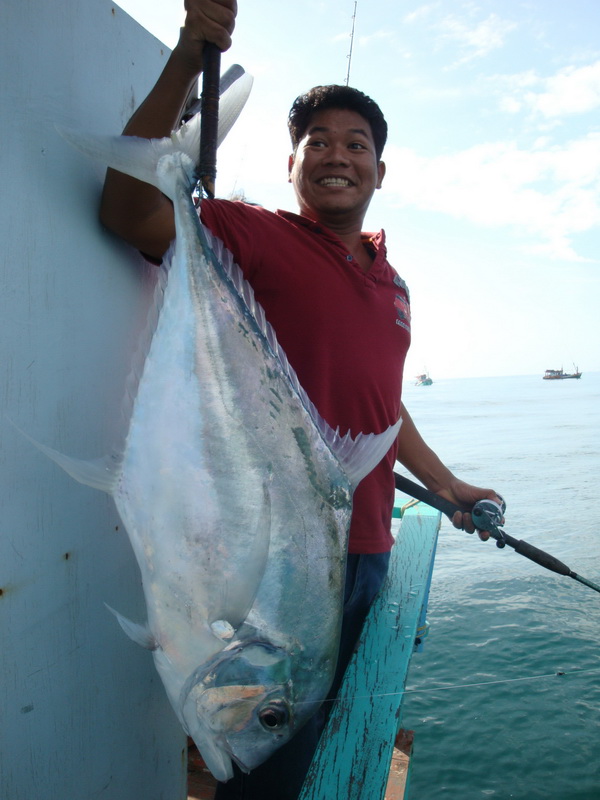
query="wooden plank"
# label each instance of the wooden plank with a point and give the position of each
(399, 767)
(201, 784)
(355, 751)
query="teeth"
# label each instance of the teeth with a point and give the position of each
(334, 182)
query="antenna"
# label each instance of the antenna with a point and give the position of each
(349, 56)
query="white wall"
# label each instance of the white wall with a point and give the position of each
(82, 712)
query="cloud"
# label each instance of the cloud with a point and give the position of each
(375, 37)
(572, 90)
(549, 192)
(420, 12)
(476, 40)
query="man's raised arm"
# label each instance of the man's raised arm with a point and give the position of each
(136, 211)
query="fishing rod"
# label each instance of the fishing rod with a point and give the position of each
(488, 516)
(349, 56)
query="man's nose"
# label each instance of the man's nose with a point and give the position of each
(337, 154)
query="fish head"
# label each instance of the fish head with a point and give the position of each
(241, 707)
(243, 724)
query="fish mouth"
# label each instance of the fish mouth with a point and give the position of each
(208, 732)
(240, 764)
(217, 759)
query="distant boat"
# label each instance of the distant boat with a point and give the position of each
(559, 375)
(423, 380)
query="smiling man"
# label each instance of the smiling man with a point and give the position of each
(340, 311)
(336, 166)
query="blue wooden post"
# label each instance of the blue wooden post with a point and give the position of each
(354, 755)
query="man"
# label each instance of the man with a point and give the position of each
(340, 311)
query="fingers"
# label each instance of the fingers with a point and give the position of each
(464, 521)
(211, 21)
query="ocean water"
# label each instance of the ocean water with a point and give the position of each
(505, 698)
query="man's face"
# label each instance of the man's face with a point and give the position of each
(335, 170)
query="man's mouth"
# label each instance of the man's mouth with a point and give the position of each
(331, 181)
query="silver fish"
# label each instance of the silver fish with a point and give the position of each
(235, 493)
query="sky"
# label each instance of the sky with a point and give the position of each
(491, 201)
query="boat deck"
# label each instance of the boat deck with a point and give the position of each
(202, 785)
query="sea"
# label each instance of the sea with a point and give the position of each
(504, 700)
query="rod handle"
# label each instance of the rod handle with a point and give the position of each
(539, 556)
(421, 493)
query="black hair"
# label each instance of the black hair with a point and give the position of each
(321, 98)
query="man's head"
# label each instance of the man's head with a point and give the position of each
(338, 135)
(322, 98)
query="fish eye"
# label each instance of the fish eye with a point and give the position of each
(274, 716)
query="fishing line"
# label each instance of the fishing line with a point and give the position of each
(559, 674)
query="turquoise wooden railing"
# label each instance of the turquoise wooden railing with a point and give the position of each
(355, 752)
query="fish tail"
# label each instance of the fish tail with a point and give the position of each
(131, 155)
(139, 157)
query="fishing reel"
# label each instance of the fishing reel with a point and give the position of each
(488, 515)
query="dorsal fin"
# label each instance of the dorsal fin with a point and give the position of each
(357, 456)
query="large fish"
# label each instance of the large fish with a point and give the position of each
(235, 493)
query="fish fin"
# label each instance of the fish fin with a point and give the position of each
(140, 634)
(357, 456)
(361, 455)
(222, 629)
(236, 597)
(234, 73)
(99, 473)
(231, 102)
(139, 157)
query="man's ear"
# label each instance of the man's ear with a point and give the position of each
(380, 174)
(290, 165)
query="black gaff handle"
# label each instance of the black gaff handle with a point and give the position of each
(206, 172)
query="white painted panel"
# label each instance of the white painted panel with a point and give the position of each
(83, 714)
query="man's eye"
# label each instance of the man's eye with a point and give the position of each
(357, 146)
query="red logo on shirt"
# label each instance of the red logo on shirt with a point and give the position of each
(403, 309)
